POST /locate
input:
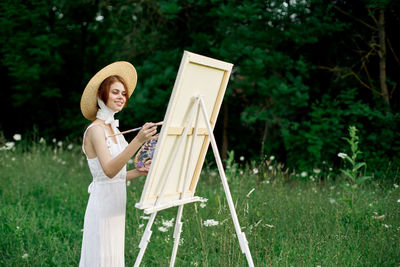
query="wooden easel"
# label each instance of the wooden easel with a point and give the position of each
(194, 112)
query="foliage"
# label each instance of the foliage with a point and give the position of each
(304, 70)
(354, 175)
(43, 195)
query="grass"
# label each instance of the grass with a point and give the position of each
(43, 197)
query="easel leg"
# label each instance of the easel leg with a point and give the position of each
(177, 234)
(145, 239)
(241, 236)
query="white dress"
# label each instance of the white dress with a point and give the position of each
(104, 225)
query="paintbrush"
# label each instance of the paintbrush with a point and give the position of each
(134, 130)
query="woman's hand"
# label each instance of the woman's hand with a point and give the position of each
(146, 168)
(147, 132)
(136, 173)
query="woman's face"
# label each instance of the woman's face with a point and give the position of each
(117, 97)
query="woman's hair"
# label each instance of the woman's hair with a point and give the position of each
(104, 88)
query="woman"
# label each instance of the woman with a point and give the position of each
(104, 227)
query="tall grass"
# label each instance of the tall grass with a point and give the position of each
(43, 196)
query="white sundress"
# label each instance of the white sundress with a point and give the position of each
(104, 226)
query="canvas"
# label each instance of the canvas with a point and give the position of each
(197, 76)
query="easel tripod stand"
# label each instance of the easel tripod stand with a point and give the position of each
(196, 108)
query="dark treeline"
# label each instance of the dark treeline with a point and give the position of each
(305, 70)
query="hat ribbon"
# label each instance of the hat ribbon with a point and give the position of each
(107, 114)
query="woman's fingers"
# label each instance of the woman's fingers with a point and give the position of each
(148, 125)
(153, 132)
(148, 131)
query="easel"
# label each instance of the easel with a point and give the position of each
(195, 110)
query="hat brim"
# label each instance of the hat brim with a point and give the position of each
(89, 97)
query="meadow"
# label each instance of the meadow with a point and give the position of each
(288, 221)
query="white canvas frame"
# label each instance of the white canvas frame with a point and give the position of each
(197, 76)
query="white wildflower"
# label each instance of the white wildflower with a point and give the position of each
(342, 155)
(255, 170)
(42, 140)
(395, 185)
(9, 145)
(18, 227)
(25, 256)
(203, 199)
(162, 229)
(380, 218)
(272, 158)
(210, 222)
(13, 159)
(332, 200)
(241, 158)
(330, 169)
(54, 140)
(270, 168)
(70, 146)
(385, 225)
(17, 137)
(128, 183)
(303, 174)
(59, 143)
(398, 201)
(241, 172)
(99, 17)
(168, 223)
(130, 161)
(317, 171)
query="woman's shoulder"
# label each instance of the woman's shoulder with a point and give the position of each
(95, 128)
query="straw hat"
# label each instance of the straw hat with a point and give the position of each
(89, 96)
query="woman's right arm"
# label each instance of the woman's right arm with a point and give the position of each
(111, 166)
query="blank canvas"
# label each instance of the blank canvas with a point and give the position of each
(197, 75)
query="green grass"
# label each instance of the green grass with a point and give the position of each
(43, 196)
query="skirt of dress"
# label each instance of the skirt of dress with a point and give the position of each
(104, 225)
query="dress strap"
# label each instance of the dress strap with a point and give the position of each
(84, 135)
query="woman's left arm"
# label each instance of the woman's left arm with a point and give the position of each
(134, 174)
